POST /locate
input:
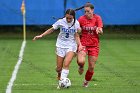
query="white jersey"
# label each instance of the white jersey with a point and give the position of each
(66, 37)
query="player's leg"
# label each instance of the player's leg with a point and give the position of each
(92, 58)
(59, 65)
(66, 64)
(59, 61)
(91, 64)
(81, 57)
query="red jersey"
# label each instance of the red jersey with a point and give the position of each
(88, 26)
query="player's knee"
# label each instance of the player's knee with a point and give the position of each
(94, 59)
(66, 66)
(80, 62)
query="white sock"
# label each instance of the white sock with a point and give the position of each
(64, 73)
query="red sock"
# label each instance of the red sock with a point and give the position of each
(89, 75)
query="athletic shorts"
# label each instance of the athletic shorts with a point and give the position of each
(63, 51)
(91, 50)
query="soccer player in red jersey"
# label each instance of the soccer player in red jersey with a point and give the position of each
(91, 25)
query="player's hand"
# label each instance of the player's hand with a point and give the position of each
(80, 48)
(99, 30)
(37, 37)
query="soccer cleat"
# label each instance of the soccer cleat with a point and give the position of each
(81, 70)
(85, 84)
(58, 87)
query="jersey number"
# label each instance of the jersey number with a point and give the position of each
(67, 35)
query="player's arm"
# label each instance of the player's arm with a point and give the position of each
(79, 31)
(77, 37)
(99, 29)
(45, 33)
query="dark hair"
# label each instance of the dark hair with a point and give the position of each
(88, 4)
(71, 12)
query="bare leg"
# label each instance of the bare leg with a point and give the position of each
(91, 64)
(59, 65)
(67, 61)
(81, 61)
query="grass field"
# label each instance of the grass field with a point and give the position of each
(117, 69)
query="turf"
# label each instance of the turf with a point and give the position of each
(117, 69)
(9, 51)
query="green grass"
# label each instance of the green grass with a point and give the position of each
(9, 51)
(117, 69)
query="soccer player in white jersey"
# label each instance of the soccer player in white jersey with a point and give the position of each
(67, 41)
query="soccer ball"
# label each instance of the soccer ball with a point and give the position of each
(64, 83)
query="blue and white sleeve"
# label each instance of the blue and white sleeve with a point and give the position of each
(56, 25)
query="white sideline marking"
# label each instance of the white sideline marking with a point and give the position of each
(13, 78)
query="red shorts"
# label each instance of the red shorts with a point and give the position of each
(91, 50)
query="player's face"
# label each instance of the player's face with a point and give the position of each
(69, 18)
(88, 12)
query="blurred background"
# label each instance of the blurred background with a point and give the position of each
(40, 14)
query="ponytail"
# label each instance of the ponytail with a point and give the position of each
(79, 8)
(72, 12)
(88, 4)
